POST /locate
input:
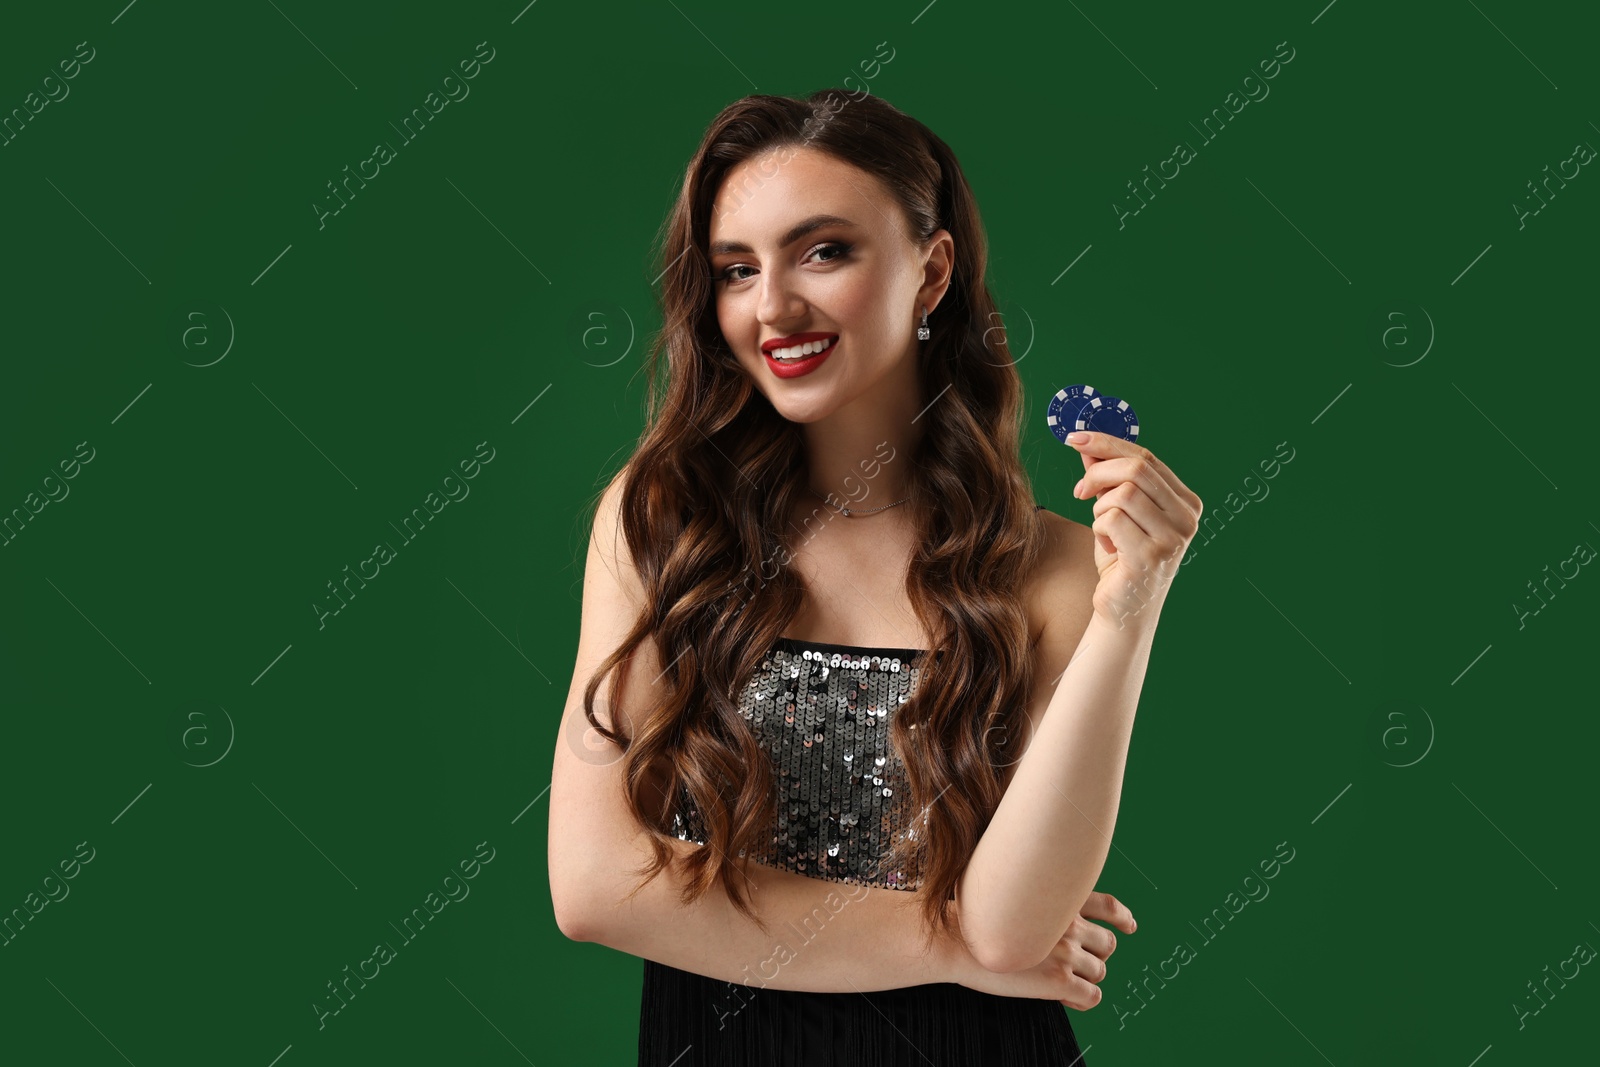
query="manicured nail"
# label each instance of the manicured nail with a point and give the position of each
(1077, 490)
(1077, 438)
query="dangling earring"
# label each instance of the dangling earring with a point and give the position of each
(922, 331)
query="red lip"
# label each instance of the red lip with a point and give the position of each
(797, 339)
(803, 366)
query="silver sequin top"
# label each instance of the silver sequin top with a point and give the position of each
(822, 711)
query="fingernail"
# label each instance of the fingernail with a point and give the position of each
(1077, 438)
(1077, 490)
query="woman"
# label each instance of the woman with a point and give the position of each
(838, 633)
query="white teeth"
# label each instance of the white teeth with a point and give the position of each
(810, 348)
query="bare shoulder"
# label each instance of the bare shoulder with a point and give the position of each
(1060, 595)
(606, 535)
(613, 597)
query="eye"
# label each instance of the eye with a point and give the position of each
(840, 249)
(838, 246)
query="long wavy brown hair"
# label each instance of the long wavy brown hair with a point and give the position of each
(705, 506)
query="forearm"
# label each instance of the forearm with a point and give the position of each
(1042, 852)
(824, 936)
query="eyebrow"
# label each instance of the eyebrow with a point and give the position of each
(799, 230)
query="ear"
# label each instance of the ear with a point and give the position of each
(939, 264)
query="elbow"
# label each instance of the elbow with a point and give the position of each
(1006, 936)
(574, 926)
(999, 950)
(573, 904)
(1005, 957)
(1005, 944)
(580, 882)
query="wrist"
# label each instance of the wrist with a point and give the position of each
(1125, 625)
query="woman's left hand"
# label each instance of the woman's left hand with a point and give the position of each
(1144, 519)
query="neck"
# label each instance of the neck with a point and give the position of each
(860, 455)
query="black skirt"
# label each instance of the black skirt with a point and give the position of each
(688, 1020)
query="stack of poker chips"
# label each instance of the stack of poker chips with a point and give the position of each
(1080, 407)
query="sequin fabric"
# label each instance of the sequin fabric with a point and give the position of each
(823, 713)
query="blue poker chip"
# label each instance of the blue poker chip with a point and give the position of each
(1062, 417)
(1109, 415)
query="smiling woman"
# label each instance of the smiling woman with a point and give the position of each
(850, 272)
(856, 721)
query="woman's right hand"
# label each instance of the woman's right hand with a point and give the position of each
(1076, 965)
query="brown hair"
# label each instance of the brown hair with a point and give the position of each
(707, 493)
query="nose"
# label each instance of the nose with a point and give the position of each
(778, 302)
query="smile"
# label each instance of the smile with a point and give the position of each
(800, 359)
(799, 352)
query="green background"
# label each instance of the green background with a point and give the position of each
(1341, 668)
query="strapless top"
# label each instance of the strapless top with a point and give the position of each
(822, 713)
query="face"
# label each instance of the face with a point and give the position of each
(857, 283)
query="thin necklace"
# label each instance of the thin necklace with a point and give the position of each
(851, 513)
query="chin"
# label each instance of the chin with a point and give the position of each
(803, 411)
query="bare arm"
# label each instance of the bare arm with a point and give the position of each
(1044, 849)
(824, 936)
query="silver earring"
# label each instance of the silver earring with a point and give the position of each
(922, 331)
